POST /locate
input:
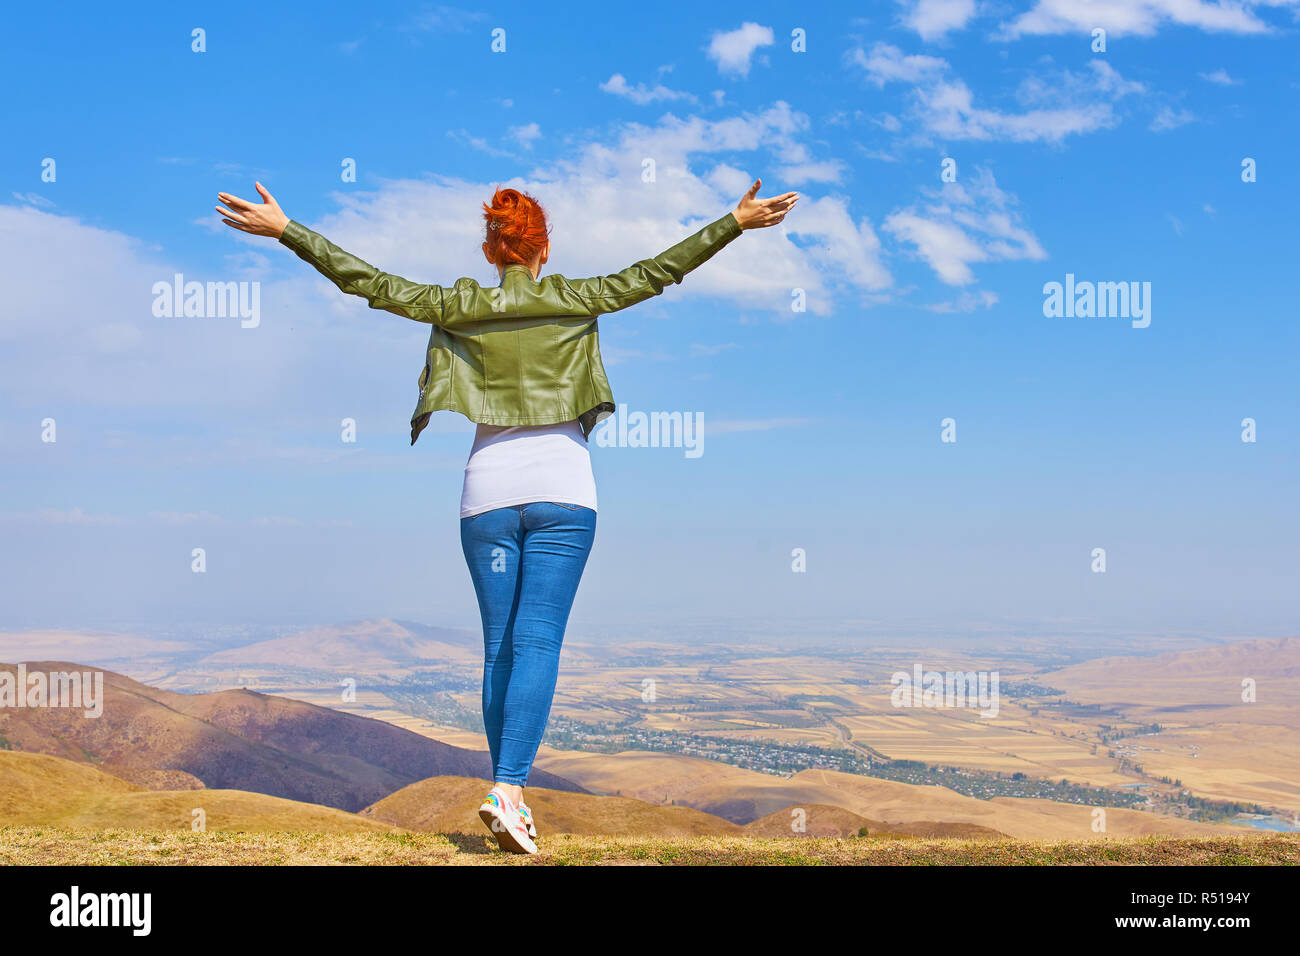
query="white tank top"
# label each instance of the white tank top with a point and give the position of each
(513, 465)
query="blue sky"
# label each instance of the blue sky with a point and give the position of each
(822, 428)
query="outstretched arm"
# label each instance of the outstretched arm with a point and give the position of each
(648, 277)
(424, 303)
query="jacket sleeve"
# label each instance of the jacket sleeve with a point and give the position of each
(648, 277)
(423, 303)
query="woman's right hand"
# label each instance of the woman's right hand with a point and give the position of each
(754, 213)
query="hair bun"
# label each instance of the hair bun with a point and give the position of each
(516, 227)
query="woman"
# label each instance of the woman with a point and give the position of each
(522, 360)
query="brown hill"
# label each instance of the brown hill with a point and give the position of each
(820, 820)
(651, 776)
(240, 740)
(1195, 686)
(38, 790)
(450, 805)
(1276, 656)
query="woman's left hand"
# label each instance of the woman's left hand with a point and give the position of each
(260, 219)
(752, 213)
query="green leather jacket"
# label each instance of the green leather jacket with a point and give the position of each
(526, 352)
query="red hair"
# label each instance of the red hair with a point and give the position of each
(515, 228)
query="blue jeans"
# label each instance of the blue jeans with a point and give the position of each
(526, 561)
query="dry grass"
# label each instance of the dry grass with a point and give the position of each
(47, 845)
(450, 805)
(39, 790)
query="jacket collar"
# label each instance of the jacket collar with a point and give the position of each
(518, 266)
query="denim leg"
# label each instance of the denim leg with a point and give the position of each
(556, 542)
(491, 542)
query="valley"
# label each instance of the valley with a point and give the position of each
(1164, 743)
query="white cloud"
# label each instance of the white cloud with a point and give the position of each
(932, 19)
(826, 171)
(526, 135)
(733, 51)
(945, 106)
(729, 180)
(603, 210)
(1139, 17)
(1105, 79)
(1168, 118)
(642, 94)
(847, 248)
(877, 154)
(477, 142)
(968, 301)
(962, 225)
(605, 217)
(949, 110)
(444, 19)
(79, 343)
(944, 245)
(1220, 77)
(886, 63)
(34, 199)
(248, 264)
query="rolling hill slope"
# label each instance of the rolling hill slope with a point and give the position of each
(39, 790)
(240, 740)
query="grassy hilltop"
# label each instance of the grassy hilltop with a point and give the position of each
(48, 845)
(55, 811)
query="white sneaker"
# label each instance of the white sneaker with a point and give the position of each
(528, 819)
(506, 823)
